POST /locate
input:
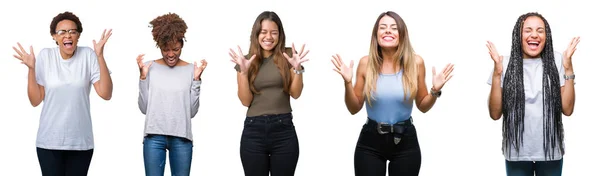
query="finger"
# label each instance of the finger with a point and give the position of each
(433, 71)
(286, 56)
(94, 42)
(338, 71)
(108, 34)
(450, 76)
(103, 34)
(302, 61)
(31, 51)
(302, 51)
(576, 42)
(294, 49)
(304, 54)
(446, 68)
(351, 64)
(232, 54)
(450, 70)
(21, 48)
(149, 64)
(195, 65)
(252, 58)
(18, 57)
(335, 63)
(18, 52)
(240, 51)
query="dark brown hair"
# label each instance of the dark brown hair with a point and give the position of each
(168, 29)
(65, 16)
(255, 49)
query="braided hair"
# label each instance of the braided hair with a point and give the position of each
(513, 95)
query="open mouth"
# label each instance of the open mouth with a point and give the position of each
(388, 38)
(267, 43)
(533, 45)
(171, 61)
(68, 44)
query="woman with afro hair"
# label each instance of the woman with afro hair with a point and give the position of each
(267, 77)
(532, 88)
(169, 97)
(62, 78)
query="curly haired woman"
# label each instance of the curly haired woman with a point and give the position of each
(169, 97)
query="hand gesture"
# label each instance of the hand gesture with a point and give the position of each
(198, 70)
(99, 47)
(297, 58)
(239, 59)
(495, 57)
(440, 79)
(143, 67)
(26, 58)
(340, 67)
(569, 52)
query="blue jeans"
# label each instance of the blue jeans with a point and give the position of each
(528, 168)
(180, 155)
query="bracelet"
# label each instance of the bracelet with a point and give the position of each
(569, 77)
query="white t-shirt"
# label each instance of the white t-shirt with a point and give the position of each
(65, 121)
(532, 148)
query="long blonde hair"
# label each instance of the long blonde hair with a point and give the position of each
(404, 57)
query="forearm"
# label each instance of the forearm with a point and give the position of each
(296, 86)
(495, 99)
(244, 93)
(143, 96)
(352, 103)
(105, 81)
(427, 103)
(568, 94)
(34, 91)
(195, 97)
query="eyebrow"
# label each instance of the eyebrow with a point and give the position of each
(388, 24)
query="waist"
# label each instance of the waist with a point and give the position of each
(269, 118)
(384, 127)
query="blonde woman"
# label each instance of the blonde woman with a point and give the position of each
(390, 78)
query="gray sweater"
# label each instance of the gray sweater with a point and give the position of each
(169, 97)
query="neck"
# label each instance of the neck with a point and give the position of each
(388, 54)
(266, 53)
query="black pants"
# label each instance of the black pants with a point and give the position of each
(64, 162)
(373, 150)
(269, 143)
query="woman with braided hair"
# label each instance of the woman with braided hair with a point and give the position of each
(169, 97)
(532, 88)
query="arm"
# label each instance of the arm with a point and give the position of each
(495, 99)
(35, 92)
(244, 93)
(567, 92)
(195, 96)
(104, 86)
(143, 96)
(423, 99)
(354, 96)
(297, 84)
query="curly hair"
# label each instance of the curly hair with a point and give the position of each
(65, 16)
(168, 29)
(513, 94)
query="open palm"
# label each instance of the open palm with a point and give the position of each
(144, 68)
(239, 59)
(26, 58)
(439, 79)
(99, 47)
(340, 67)
(199, 69)
(569, 52)
(297, 58)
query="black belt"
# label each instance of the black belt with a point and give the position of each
(385, 128)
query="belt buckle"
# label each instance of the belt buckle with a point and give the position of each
(384, 132)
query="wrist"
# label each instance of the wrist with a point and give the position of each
(435, 93)
(143, 77)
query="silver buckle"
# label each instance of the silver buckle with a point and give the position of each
(384, 132)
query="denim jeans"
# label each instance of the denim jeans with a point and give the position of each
(269, 144)
(180, 155)
(64, 162)
(528, 168)
(373, 150)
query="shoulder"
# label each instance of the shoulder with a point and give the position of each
(85, 49)
(363, 61)
(558, 58)
(419, 60)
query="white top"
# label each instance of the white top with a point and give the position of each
(532, 148)
(65, 121)
(169, 97)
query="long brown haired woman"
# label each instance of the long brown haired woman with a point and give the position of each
(267, 77)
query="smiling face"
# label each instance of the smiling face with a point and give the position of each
(66, 36)
(268, 37)
(387, 33)
(171, 53)
(533, 37)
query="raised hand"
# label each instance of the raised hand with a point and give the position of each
(495, 57)
(341, 68)
(99, 47)
(440, 79)
(143, 67)
(199, 69)
(239, 59)
(297, 58)
(26, 58)
(569, 52)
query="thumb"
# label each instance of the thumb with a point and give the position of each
(433, 70)
(149, 64)
(351, 64)
(94, 42)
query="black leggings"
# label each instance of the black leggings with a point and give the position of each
(64, 162)
(373, 150)
(269, 144)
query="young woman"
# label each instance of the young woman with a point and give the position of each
(267, 78)
(390, 78)
(532, 108)
(62, 78)
(169, 97)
